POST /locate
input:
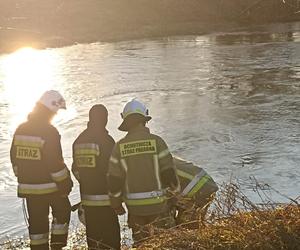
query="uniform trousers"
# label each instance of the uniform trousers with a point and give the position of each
(102, 227)
(38, 211)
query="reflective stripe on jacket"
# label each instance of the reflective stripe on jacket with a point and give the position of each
(145, 198)
(39, 239)
(46, 188)
(195, 182)
(138, 161)
(59, 229)
(95, 200)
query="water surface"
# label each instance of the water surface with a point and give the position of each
(230, 102)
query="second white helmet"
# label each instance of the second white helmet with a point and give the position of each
(135, 107)
(131, 108)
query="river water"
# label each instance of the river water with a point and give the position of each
(230, 101)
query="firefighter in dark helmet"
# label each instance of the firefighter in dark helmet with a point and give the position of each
(141, 171)
(43, 178)
(91, 153)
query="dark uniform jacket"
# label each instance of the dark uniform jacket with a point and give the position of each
(91, 152)
(143, 166)
(37, 160)
(195, 182)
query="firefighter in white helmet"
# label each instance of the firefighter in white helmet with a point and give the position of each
(141, 170)
(43, 178)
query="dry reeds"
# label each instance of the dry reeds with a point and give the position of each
(235, 222)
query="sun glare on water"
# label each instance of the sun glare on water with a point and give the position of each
(26, 74)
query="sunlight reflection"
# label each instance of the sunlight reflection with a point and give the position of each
(296, 36)
(27, 73)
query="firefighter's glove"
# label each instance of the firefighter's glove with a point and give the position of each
(120, 210)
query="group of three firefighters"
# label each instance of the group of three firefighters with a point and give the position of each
(138, 170)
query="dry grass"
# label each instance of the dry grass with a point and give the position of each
(276, 229)
(234, 222)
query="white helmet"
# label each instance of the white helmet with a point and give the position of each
(133, 107)
(53, 100)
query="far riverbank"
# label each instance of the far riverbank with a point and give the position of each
(59, 23)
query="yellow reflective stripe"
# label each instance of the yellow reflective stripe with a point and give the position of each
(198, 186)
(115, 195)
(95, 203)
(194, 182)
(30, 141)
(59, 229)
(156, 170)
(87, 146)
(38, 242)
(38, 239)
(37, 188)
(95, 197)
(114, 160)
(59, 232)
(60, 175)
(85, 151)
(32, 191)
(144, 202)
(95, 200)
(184, 174)
(138, 147)
(28, 144)
(145, 195)
(163, 153)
